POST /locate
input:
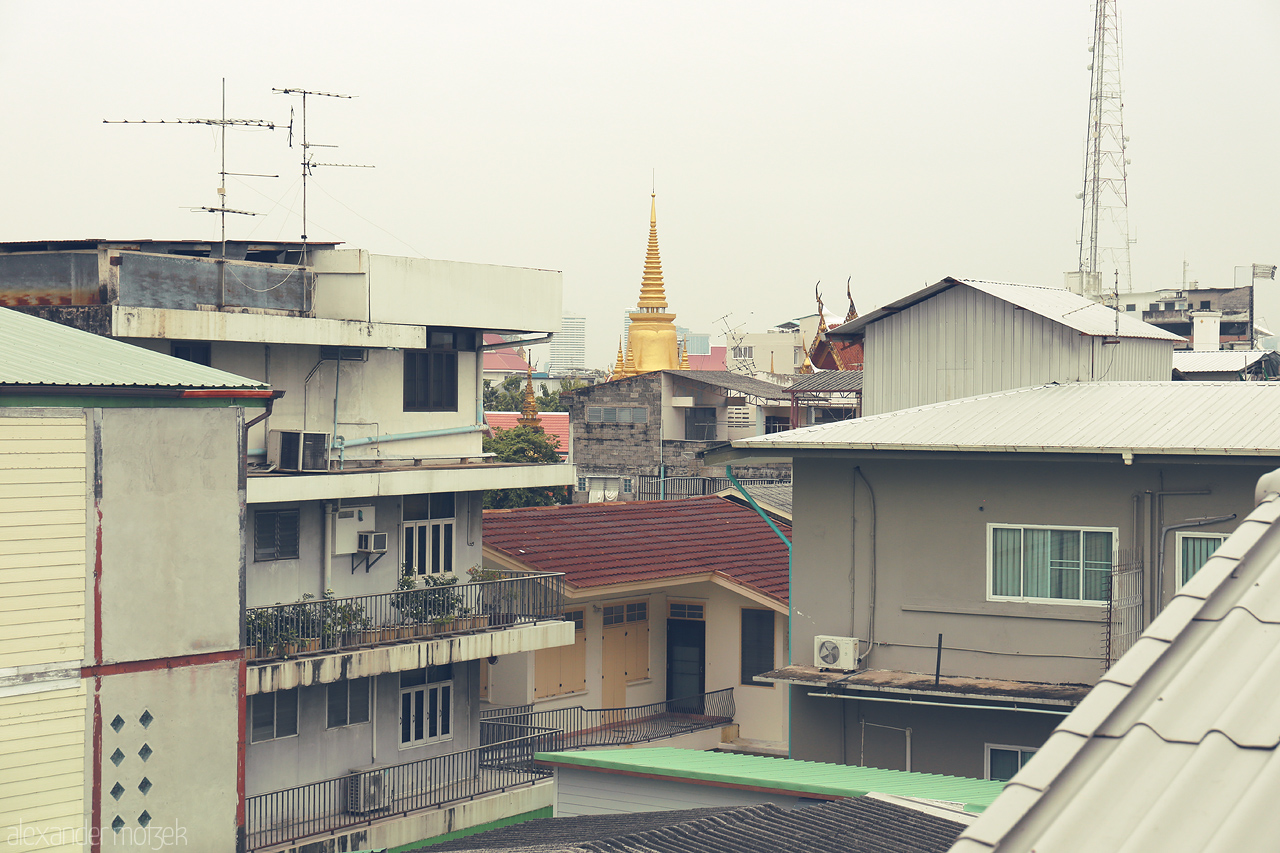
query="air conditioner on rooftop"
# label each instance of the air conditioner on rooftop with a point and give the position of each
(294, 450)
(835, 652)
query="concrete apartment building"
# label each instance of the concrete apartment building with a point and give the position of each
(968, 566)
(359, 700)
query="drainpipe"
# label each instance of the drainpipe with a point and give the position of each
(266, 413)
(326, 542)
(337, 382)
(1164, 534)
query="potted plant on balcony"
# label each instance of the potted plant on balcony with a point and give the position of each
(343, 622)
(497, 599)
(262, 634)
(411, 607)
(300, 629)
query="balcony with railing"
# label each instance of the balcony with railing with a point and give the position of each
(399, 630)
(363, 797)
(579, 727)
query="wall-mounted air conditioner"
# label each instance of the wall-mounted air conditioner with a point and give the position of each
(294, 450)
(835, 652)
(372, 542)
(368, 790)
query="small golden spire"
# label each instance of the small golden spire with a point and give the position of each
(684, 358)
(618, 366)
(771, 370)
(529, 411)
(629, 363)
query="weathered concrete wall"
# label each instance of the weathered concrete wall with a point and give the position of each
(318, 752)
(178, 730)
(617, 448)
(172, 538)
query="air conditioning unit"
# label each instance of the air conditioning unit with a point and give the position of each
(368, 790)
(835, 652)
(294, 450)
(371, 542)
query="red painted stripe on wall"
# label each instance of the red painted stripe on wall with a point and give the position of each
(177, 662)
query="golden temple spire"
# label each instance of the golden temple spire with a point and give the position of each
(629, 362)
(653, 296)
(684, 358)
(529, 411)
(619, 367)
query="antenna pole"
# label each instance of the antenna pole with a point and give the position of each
(222, 204)
(1104, 221)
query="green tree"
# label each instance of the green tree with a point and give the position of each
(505, 397)
(555, 401)
(523, 444)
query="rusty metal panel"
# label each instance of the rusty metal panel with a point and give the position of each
(49, 278)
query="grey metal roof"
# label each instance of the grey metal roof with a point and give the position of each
(747, 385)
(1197, 418)
(1176, 747)
(829, 380)
(40, 352)
(1217, 361)
(860, 825)
(770, 496)
(1054, 303)
(574, 830)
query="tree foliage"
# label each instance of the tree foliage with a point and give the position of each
(523, 444)
(508, 396)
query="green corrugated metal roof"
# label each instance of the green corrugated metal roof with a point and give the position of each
(785, 774)
(40, 352)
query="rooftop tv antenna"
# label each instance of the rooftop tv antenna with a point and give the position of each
(307, 162)
(1104, 222)
(222, 210)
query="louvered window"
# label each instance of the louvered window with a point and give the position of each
(275, 535)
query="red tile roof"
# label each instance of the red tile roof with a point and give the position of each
(503, 359)
(627, 541)
(554, 424)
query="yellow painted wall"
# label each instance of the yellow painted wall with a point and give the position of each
(42, 540)
(42, 749)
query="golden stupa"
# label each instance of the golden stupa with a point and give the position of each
(529, 411)
(651, 338)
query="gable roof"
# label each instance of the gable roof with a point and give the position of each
(1167, 418)
(1219, 361)
(629, 541)
(40, 352)
(860, 825)
(554, 424)
(828, 380)
(781, 775)
(1177, 746)
(1054, 303)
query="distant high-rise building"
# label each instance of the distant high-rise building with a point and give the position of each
(569, 346)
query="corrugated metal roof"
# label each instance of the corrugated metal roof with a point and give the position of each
(1176, 746)
(747, 385)
(39, 352)
(785, 774)
(829, 380)
(607, 543)
(1054, 303)
(775, 496)
(1204, 418)
(1216, 361)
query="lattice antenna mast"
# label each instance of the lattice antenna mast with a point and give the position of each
(222, 210)
(1104, 223)
(307, 162)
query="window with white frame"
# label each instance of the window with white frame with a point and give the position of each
(428, 534)
(273, 715)
(1003, 762)
(426, 706)
(742, 353)
(348, 702)
(1193, 550)
(1054, 564)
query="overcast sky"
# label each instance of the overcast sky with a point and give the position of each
(792, 142)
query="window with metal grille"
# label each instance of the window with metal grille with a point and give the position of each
(1051, 564)
(617, 415)
(275, 535)
(757, 644)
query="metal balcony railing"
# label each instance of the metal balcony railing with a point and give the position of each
(364, 796)
(580, 727)
(333, 624)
